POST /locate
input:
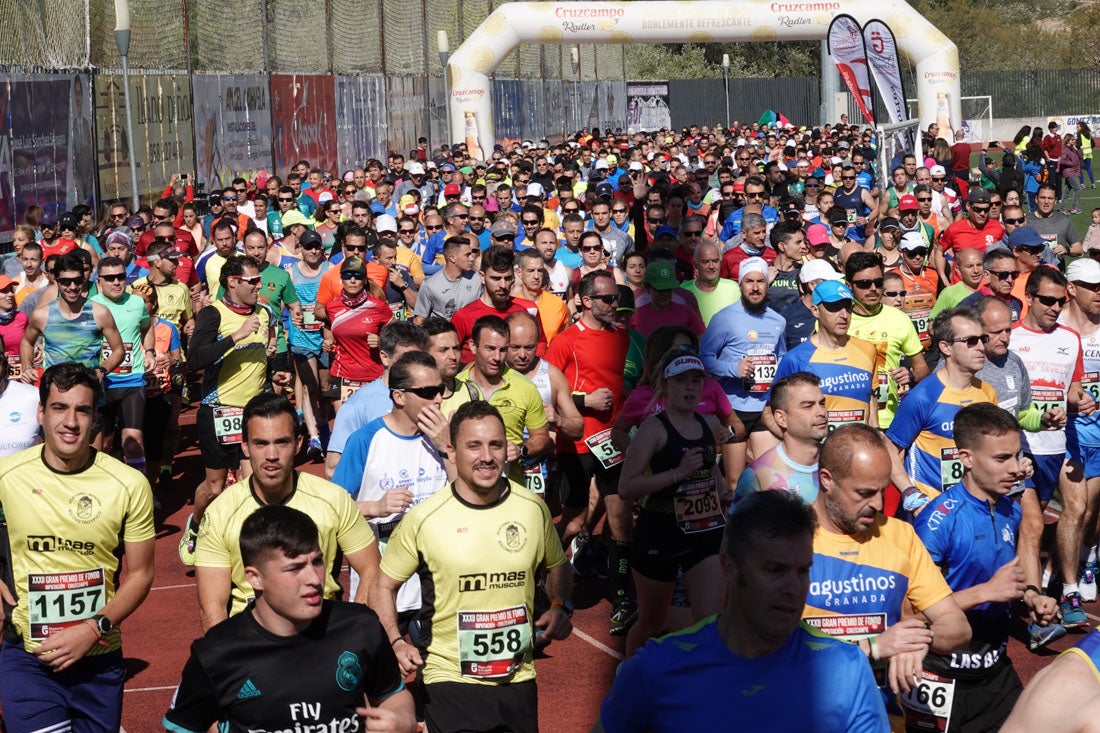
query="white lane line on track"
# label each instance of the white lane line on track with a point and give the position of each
(151, 689)
(171, 587)
(600, 645)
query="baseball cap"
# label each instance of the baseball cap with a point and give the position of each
(502, 228)
(838, 215)
(626, 299)
(681, 364)
(1084, 270)
(662, 230)
(817, 270)
(937, 170)
(789, 207)
(978, 195)
(752, 264)
(635, 166)
(6, 282)
(908, 202)
(534, 188)
(452, 189)
(818, 172)
(68, 221)
(447, 167)
(309, 237)
(660, 276)
(293, 217)
(1024, 237)
(843, 144)
(385, 223)
(889, 222)
(912, 240)
(831, 291)
(377, 208)
(354, 264)
(134, 222)
(415, 169)
(605, 189)
(119, 237)
(600, 164)
(817, 235)
(49, 221)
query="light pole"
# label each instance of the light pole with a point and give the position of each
(443, 44)
(575, 62)
(122, 40)
(726, 77)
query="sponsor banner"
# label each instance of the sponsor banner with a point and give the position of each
(360, 120)
(882, 55)
(163, 134)
(1069, 122)
(232, 127)
(304, 120)
(647, 105)
(848, 53)
(407, 104)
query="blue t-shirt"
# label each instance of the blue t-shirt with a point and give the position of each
(734, 333)
(568, 257)
(691, 681)
(970, 541)
(732, 227)
(369, 402)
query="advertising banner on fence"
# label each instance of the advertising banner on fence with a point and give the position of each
(163, 134)
(647, 105)
(407, 101)
(1069, 123)
(360, 120)
(232, 127)
(848, 53)
(304, 120)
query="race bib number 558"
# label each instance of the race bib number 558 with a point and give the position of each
(493, 644)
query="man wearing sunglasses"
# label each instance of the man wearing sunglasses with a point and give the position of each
(921, 284)
(856, 201)
(925, 459)
(999, 267)
(233, 340)
(886, 327)
(396, 461)
(977, 230)
(1053, 355)
(756, 201)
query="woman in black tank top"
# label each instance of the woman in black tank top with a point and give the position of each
(670, 469)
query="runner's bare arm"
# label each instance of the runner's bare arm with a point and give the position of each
(365, 563)
(35, 324)
(214, 585)
(383, 601)
(106, 323)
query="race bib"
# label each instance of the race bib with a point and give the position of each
(1090, 382)
(842, 417)
(604, 449)
(309, 321)
(1048, 398)
(698, 508)
(928, 704)
(60, 600)
(227, 424)
(127, 364)
(853, 215)
(921, 319)
(492, 644)
(882, 392)
(534, 478)
(763, 371)
(400, 312)
(348, 388)
(15, 366)
(849, 628)
(951, 468)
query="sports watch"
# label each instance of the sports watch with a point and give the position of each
(102, 624)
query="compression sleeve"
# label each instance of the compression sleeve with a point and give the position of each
(1031, 419)
(206, 348)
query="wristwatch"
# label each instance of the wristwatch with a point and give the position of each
(102, 624)
(564, 605)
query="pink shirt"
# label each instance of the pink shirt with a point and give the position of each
(646, 320)
(641, 406)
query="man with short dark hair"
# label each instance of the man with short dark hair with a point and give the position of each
(749, 648)
(498, 280)
(452, 287)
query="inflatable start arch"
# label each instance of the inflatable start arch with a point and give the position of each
(935, 57)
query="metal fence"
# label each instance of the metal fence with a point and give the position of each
(703, 101)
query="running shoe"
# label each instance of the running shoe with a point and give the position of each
(187, 544)
(1040, 636)
(1073, 616)
(623, 615)
(1075, 210)
(314, 452)
(580, 551)
(1086, 582)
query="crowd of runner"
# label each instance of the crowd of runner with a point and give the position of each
(801, 417)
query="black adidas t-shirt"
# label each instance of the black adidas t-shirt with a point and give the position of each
(257, 681)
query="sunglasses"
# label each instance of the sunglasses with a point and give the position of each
(980, 209)
(1017, 220)
(117, 277)
(312, 245)
(610, 298)
(1091, 287)
(592, 248)
(655, 221)
(352, 275)
(838, 305)
(895, 293)
(354, 248)
(241, 191)
(1004, 274)
(570, 211)
(425, 393)
(971, 341)
(693, 234)
(1050, 301)
(285, 200)
(867, 283)
(229, 198)
(938, 180)
(811, 184)
(618, 211)
(918, 252)
(847, 178)
(758, 195)
(406, 231)
(70, 281)
(252, 280)
(477, 218)
(530, 222)
(430, 228)
(460, 216)
(1032, 249)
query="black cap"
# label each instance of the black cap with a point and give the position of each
(68, 221)
(626, 299)
(309, 237)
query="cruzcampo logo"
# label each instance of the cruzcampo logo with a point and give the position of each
(348, 671)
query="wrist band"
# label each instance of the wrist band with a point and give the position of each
(874, 648)
(394, 641)
(1031, 587)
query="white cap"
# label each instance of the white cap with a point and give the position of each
(600, 164)
(534, 188)
(1084, 270)
(681, 364)
(835, 160)
(415, 168)
(816, 270)
(636, 166)
(912, 240)
(937, 170)
(752, 264)
(385, 223)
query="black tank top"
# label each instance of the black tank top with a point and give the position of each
(669, 457)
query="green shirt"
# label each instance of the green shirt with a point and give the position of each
(950, 297)
(726, 293)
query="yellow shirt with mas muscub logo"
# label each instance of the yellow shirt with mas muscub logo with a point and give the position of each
(64, 534)
(478, 567)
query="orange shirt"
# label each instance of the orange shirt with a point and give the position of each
(331, 286)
